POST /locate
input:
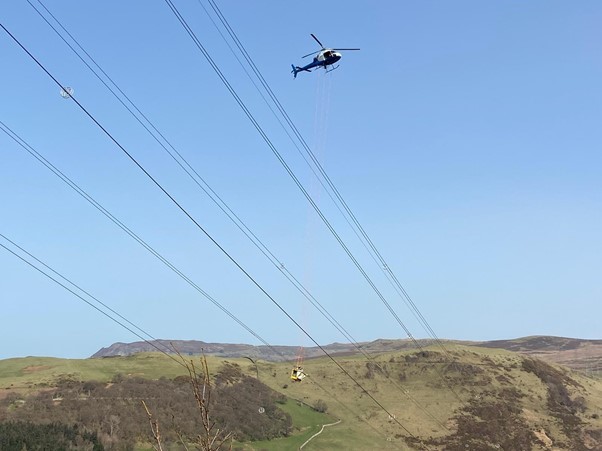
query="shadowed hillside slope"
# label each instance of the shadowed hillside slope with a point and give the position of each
(474, 398)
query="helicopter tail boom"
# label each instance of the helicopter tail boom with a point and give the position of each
(297, 69)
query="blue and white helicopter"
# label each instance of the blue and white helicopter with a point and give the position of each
(324, 58)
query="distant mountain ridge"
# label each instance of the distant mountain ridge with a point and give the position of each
(577, 354)
(580, 354)
(272, 354)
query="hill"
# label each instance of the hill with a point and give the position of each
(480, 397)
(582, 355)
(577, 354)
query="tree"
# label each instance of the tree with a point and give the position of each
(210, 438)
(320, 406)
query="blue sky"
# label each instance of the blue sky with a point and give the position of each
(464, 135)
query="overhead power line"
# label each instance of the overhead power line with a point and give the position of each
(81, 294)
(75, 187)
(62, 281)
(292, 175)
(166, 144)
(84, 194)
(204, 231)
(358, 229)
(204, 186)
(193, 174)
(282, 161)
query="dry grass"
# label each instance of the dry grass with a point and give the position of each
(500, 399)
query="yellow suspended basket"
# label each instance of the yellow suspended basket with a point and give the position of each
(297, 374)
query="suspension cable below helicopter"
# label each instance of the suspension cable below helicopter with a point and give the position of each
(295, 179)
(321, 110)
(359, 232)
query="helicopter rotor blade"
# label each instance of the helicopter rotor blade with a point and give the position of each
(317, 40)
(346, 49)
(312, 53)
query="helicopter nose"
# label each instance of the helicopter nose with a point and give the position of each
(337, 56)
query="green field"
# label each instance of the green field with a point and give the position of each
(306, 422)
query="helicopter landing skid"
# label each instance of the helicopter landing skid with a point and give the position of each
(330, 70)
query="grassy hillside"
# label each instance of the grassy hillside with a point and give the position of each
(32, 372)
(483, 398)
(578, 354)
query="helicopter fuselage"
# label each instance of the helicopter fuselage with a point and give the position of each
(325, 58)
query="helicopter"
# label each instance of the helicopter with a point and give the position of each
(325, 57)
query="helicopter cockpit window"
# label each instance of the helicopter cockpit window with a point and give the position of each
(327, 54)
